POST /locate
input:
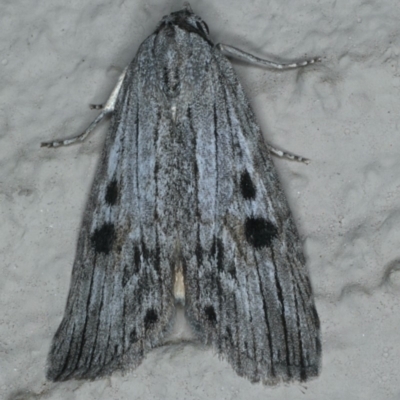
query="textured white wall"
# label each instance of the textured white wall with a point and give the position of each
(57, 57)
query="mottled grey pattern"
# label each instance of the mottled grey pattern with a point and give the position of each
(186, 183)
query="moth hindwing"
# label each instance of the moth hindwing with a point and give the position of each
(186, 203)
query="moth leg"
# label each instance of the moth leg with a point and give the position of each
(108, 108)
(233, 52)
(284, 154)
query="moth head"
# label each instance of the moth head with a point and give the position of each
(187, 20)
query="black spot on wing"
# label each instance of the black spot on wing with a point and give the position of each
(210, 314)
(150, 318)
(199, 253)
(112, 192)
(145, 251)
(133, 336)
(232, 270)
(103, 238)
(247, 186)
(259, 232)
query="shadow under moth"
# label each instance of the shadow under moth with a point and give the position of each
(186, 205)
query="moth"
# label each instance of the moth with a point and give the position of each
(186, 205)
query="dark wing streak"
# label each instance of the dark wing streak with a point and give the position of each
(311, 320)
(299, 276)
(97, 328)
(83, 334)
(267, 323)
(67, 358)
(304, 294)
(155, 174)
(303, 372)
(282, 315)
(216, 224)
(198, 250)
(137, 123)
